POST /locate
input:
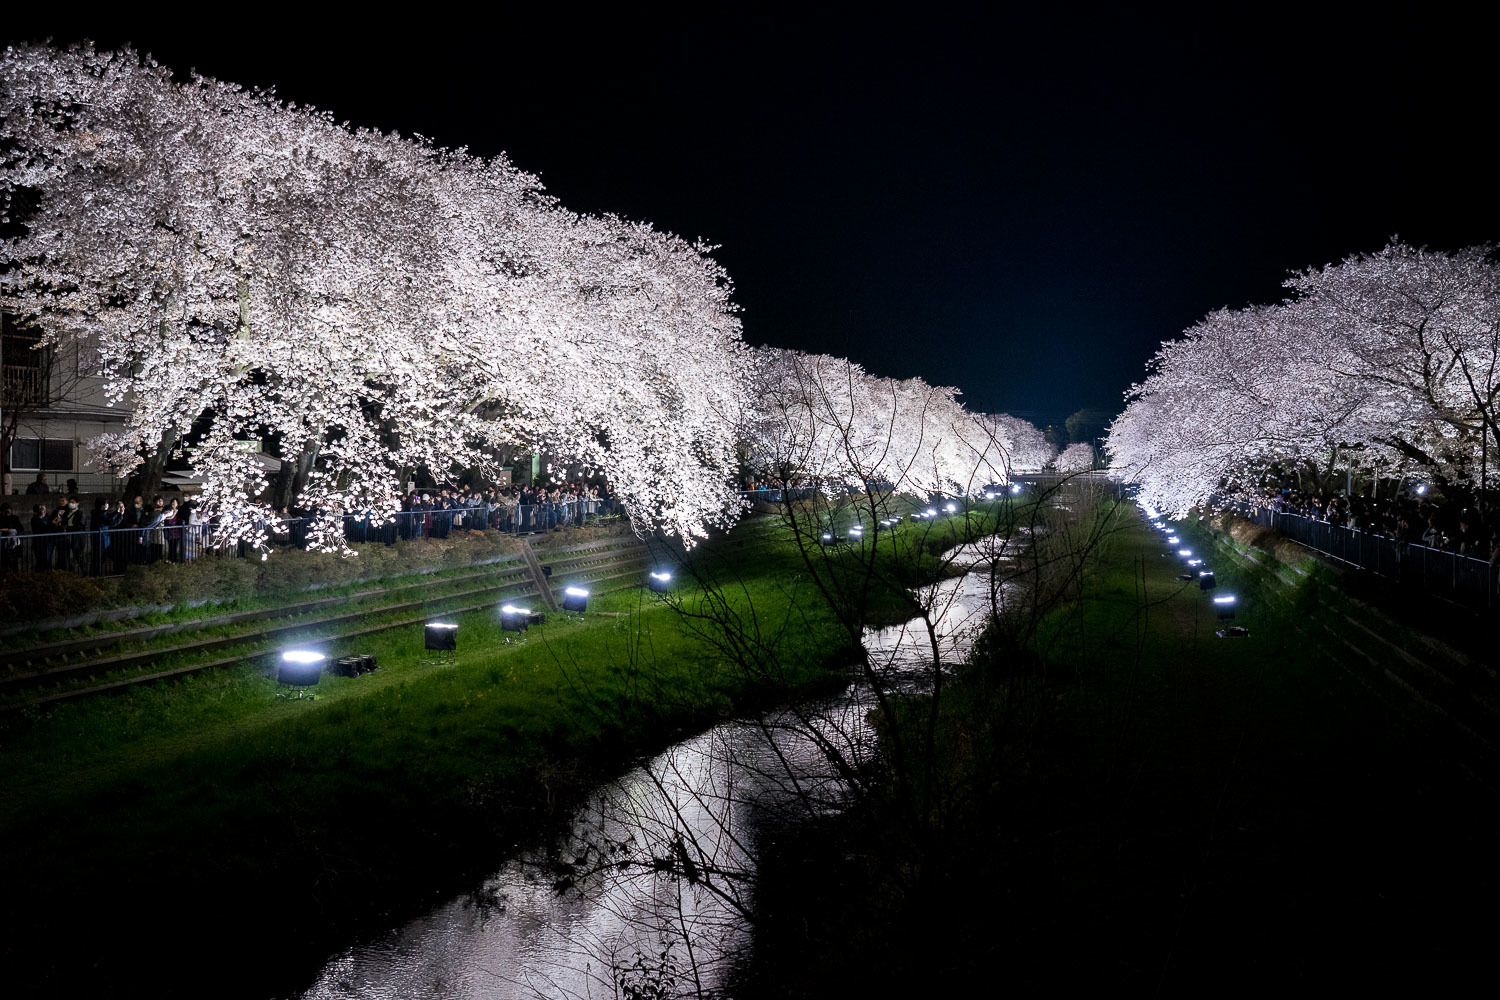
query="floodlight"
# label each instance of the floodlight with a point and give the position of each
(575, 599)
(1184, 552)
(1224, 606)
(441, 636)
(514, 619)
(1015, 488)
(1226, 599)
(659, 581)
(951, 508)
(931, 512)
(300, 668)
(1206, 580)
(1421, 489)
(1195, 562)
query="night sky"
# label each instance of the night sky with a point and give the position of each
(1022, 208)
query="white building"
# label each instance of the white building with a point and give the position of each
(51, 405)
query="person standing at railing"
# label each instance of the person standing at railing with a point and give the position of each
(41, 537)
(99, 525)
(172, 528)
(189, 523)
(155, 530)
(74, 537)
(10, 538)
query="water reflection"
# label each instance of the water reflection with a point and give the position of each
(651, 885)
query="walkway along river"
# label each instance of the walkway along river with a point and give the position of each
(651, 886)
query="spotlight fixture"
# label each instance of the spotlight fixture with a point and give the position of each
(441, 637)
(659, 581)
(1184, 552)
(951, 508)
(1015, 489)
(1224, 606)
(300, 668)
(514, 619)
(1206, 580)
(575, 599)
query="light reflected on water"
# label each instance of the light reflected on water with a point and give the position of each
(651, 884)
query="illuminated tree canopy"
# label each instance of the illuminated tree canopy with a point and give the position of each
(255, 270)
(1388, 363)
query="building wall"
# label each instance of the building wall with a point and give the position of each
(75, 410)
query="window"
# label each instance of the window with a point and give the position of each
(42, 454)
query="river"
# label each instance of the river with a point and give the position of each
(647, 894)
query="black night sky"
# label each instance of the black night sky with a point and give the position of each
(1017, 206)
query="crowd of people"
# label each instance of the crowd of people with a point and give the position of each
(1415, 519)
(113, 535)
(59, 535)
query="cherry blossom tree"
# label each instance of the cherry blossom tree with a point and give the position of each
(369, 303)
(1385, 363)
(1075, 458)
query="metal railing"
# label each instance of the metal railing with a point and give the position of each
(1461, 578)
(109, 551)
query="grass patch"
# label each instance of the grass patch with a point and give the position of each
(208, 794)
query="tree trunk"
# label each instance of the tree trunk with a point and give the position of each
(148, 479)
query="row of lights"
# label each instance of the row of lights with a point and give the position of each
(303, 668)
(1224, 604)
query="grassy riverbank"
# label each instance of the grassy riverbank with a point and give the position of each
(1165, 812)
(168, 839)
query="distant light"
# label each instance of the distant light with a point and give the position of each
(661, 576)
(1184, 552)
(511, 609)
(827, 537)
(1421, 489)
(951, 508)
(1195, 562)
(660, 581)
(576, 592)
(1202, 572)
(931, 512)
(1015, 488)
(1226, 599)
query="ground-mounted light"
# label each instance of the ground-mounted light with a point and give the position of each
(1195, 562)
(514, 619)
(1224, 606)
(1422, 489)
(1185, 553)
(1206, 580)
(300, 668)
(1015, 488)
(575, 599)
(440, 637)
(951, 508)
(659, 581)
